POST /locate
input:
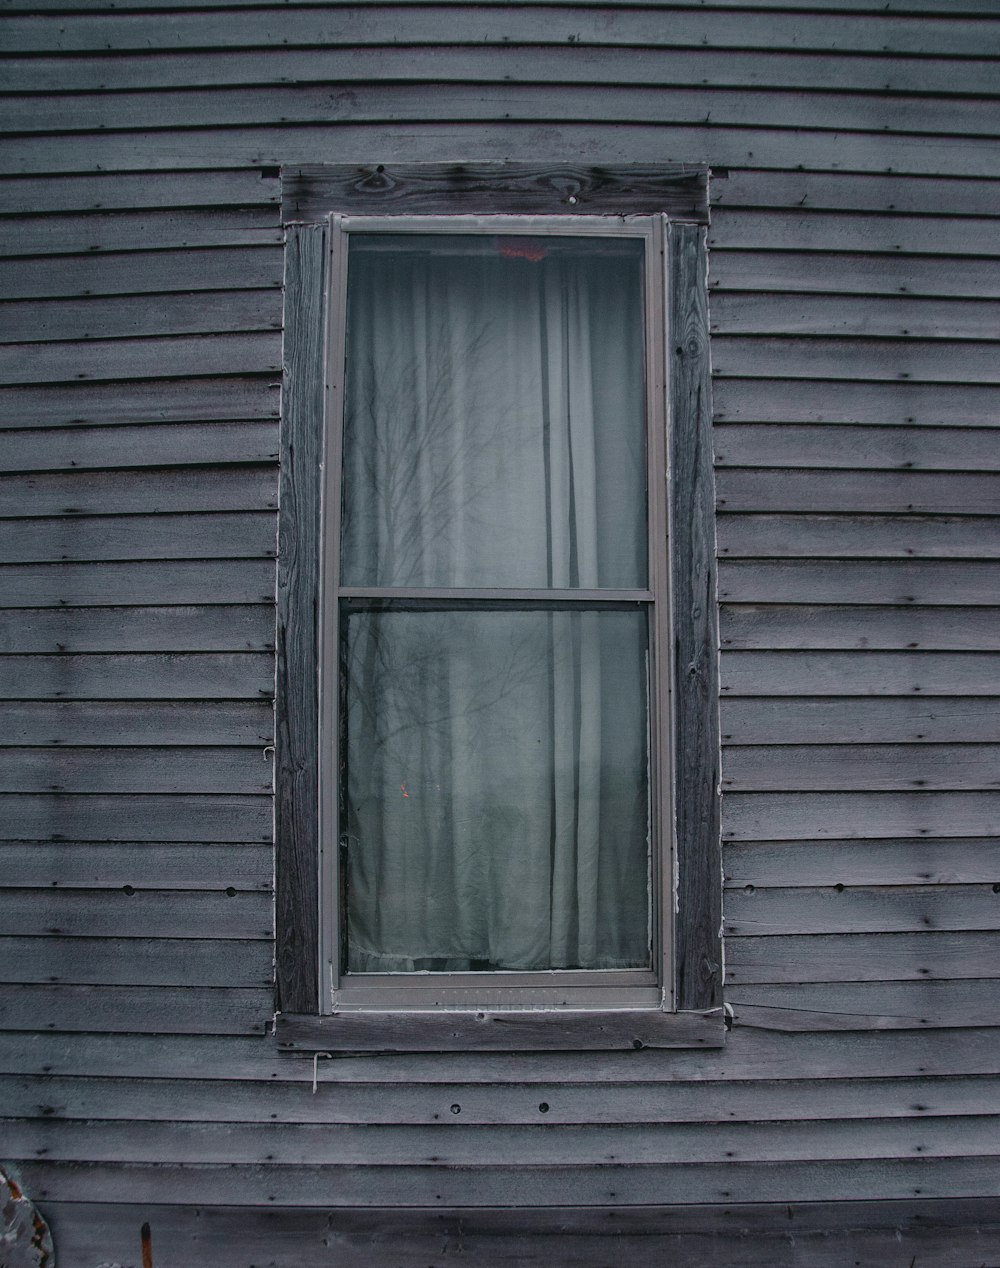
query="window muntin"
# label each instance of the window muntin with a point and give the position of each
(483, 324)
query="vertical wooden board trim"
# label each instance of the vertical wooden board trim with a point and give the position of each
(698, 968)
(296, 773)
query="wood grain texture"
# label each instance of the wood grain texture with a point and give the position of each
(911, 861)
(573, 1030)
(859, 536)
(135, 817)
(155, 401)
(150, 491)
(792, 816)
(922, 492)
(145, 676)
(880, 720)
(762, 1235)
(862, 957)
(160, 865)
(210, 628)
(859, 626)
(862, 767)
(846, 581)
(698, 974)
(119, 584)
(140, 272)
(141, 913)
(297, 843)
(837, 908)
(162, 723)
(221, 535)
(96, 961)
(190, 1010)
(309, 193)
(903, 403)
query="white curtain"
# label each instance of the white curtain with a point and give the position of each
(496, 809)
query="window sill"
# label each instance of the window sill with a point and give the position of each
(573, 1030)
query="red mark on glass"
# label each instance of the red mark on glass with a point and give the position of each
(402, 789)
(521, 249)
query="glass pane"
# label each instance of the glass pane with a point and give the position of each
(494, 418)
(495, 808)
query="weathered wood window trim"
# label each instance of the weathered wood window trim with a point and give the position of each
(310, 195)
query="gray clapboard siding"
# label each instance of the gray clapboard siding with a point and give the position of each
(151, 1009)
(845, 191)
(140, 358)
(227, 535)
(270, 1101)
(129, 316)
(132, 817)
(542, 141)
(609, 1183)
(863, 1005)
(860, 536)
(149, 770)
(924, 492)
(261, 105)
(872, 275)
(894, 404)
(879, 720)
(194, 962)
(141, 913)
(120, 584)
(674, 26)
(142, 864)
(836, 908)
(914, 861)
(812, 626)
(792, 816)
(749, 1054)
(847, 447)
(112, 191)
(784, 231)
(346, 1146)
(863, 957)
(238, 488)
(941, 360)
(138, 231)
(159, 401)
(762, 1235)
(784, 768)
(231, 627)
(140, 272)
(841, 673)
(139, 722)
(144, 676)
(173, 444)
(483, 62)
(900, 582)
(923, 317)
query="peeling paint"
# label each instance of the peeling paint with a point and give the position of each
(25, 1240)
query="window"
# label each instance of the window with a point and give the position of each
(497, 761)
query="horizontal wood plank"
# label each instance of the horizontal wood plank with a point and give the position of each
(159, 865)
(808, 230)
(171, 1010)
(143, 770)
(912, 861)
(106, 192)
(922, 492)
(792, 816)
(154, 401)
(223, 628)
(845, 581)
(141, 358)
(845, 191)
(774, 313)
(145, 676)
(140, 272)
(120, 584)
(131, 912)
(135, 817)
(130, 316)
(168, 444)
(878, 720)
(903, 403)
(194, 962)
(235, 488)
(853, 447)
(854, 273)
(852, 909)
(815, 767)
(859, 536)
(222, 535)
(762, 1235)
(165, 723)
(805, 626)
(33, 235)
(932, 361)
(862, 957)
(866, 1005)
(467, 24)
(521, 1186)
(851, 673)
